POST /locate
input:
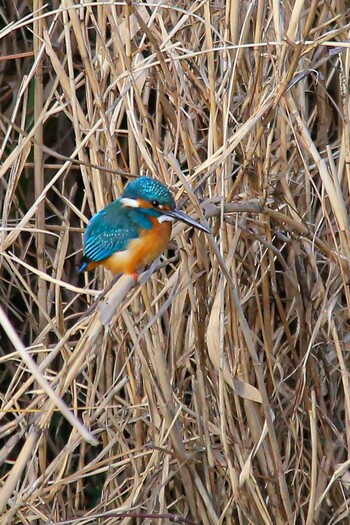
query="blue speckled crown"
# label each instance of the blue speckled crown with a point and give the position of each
(149, 189)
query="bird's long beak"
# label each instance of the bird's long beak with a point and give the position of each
(180, 216)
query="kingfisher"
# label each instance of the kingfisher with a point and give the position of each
(134, 230)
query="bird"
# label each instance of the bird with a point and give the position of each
(134, 230)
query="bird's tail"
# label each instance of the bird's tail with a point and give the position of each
(84, 265)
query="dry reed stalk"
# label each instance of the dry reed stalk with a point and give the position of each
(218, 387)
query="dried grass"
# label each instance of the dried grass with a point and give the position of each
(217, 390)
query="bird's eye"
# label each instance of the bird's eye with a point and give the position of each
(155, 203)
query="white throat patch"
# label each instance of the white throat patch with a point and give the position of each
(164, 218)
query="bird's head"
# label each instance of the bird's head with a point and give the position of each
(152, 197)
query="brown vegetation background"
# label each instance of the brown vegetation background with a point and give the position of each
(216, 391)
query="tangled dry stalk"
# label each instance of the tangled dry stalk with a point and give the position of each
(217, 390)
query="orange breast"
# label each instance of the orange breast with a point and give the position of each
(141, 251)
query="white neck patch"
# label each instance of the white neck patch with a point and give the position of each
(164, 218)
(129, 203)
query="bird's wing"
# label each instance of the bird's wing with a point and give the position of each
(110, 231)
